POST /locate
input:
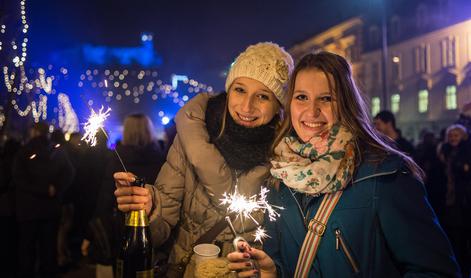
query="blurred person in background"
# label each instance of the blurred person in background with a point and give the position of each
(8, 234)
(142, 156)
(385, 122)
(41, 173)
(455, 153)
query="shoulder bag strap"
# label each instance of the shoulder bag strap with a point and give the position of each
(316, 229)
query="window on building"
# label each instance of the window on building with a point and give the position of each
(395, 27)
(450, 100)
(375, 105)
(448, 52)
(421, 58)
(421, 16)
(423, 101)
(395, 102)
(374, 35)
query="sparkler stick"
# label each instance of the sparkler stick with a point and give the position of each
(238, 239)
(93, 125)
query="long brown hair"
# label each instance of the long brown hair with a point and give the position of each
(351, 107)
(138, 130)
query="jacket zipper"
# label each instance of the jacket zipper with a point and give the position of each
(341, 244)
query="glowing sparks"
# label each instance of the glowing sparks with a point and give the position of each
(260, 234)
(95, 123)
(246, 206)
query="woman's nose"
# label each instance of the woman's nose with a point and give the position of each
(315, 110)
(247, 104)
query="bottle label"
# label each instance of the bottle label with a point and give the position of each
(145, 273)
(137, 219)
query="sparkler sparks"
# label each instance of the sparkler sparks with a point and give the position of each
(94, 123)
(260, 234)
(246, 206)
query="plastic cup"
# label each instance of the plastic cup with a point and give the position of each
(205, 251)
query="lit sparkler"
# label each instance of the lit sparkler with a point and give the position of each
(95, 122)
(246, 206)
(260, 234)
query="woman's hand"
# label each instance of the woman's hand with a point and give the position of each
(241, 262)
(131, 197)
(84, 247)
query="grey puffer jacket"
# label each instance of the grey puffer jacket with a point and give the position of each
(188, 190)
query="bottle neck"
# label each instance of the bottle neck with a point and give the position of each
(137, 218)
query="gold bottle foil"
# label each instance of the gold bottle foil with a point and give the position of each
(137, 219)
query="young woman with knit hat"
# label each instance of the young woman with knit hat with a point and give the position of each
(221, 141)
(353, 205)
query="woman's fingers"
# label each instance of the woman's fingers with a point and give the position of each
(123, 178)
(130, 207)
(131, 190)
(132, 199)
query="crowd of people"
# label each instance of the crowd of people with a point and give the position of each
(57, 202)
(358, 198)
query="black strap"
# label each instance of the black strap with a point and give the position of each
(212, 233)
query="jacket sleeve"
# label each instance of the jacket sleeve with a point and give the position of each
(168, 192)
(271, 245)
(417, 243)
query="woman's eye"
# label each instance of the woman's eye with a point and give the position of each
(326, 98)
(301, 97)
(239, 89)
(263, 97)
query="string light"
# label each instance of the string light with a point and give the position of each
(68, 120)
(41, 110)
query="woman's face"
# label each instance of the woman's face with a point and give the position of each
(251, 104)
(312, 105)
(454, 137)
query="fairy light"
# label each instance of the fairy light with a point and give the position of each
(2, 119)
(41, 110)
(45, 83)
(68, 120)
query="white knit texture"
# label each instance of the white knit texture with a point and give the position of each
(265, 62)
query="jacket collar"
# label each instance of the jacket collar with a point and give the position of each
(368, 169)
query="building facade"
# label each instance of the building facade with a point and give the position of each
(428, 67)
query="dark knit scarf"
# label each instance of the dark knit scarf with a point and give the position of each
(243, 148)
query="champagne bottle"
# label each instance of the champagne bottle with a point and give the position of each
(135, 257)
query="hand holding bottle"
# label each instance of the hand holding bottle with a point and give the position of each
(131, 197)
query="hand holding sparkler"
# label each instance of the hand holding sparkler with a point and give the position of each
(248, 261)
(128, 197)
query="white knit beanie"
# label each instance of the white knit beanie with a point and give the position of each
(265, 62)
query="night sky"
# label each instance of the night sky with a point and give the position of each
(197, 38)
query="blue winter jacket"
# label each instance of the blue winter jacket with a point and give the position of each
(383, 226)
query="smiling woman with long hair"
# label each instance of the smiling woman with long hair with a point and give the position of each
(353, 205)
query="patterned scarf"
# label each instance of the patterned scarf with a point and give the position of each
(325, 164)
